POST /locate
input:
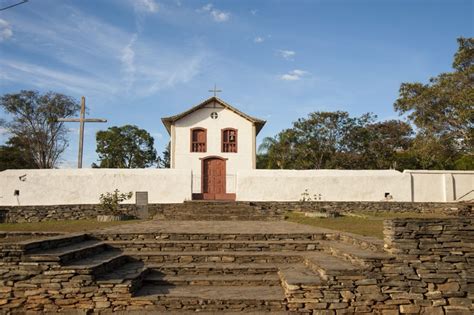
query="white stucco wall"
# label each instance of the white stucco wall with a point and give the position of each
(50, 187)
(331, 185)
(440, 186)
(66, 186)
(242, 160)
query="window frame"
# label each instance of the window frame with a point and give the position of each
(191, 142)
(224, 143)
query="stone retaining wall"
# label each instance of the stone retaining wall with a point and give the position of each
(429, 271)
(435, 264)
(460, 208)
(19, 214)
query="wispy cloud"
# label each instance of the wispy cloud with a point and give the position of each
(88, 54)
(286, 54)
(44, 77)
(149, 6)
(3, 131)
(294, 75)
(253, 12)
(5, 30)
(128, 62)
(258, 40)
(216, 14)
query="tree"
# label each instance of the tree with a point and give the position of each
(125, 147)
(442, 111)
(34, 123)
(164, 162)
(337, 140)
(379, 145)
(14, 155)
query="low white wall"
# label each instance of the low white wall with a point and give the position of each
(52, 187)
(66, 186)
(330, 185)
(440, 186)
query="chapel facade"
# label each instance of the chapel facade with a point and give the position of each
(214, 140)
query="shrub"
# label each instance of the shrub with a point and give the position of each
(110, 201)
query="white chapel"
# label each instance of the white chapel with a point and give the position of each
(214, 140)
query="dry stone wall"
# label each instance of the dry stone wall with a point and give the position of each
(427, 268)
(19, 214)
(434, 266)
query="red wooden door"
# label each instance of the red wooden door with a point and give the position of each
(213, 180)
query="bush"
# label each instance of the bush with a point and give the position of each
(109, 202)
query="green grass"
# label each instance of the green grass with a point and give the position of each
(61, 226)
(363, 223)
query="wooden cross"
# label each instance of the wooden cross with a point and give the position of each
(215, 90)
(82, 120)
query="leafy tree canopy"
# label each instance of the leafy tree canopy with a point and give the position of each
(443, 111)
(336, 140)
(125, 147)
(34, 124)
(14, 155)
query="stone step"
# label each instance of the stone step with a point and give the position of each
(223, 217)
(159, 278)
(302, 286)
(355, 254)
(210, 298)
(218, 245)
(98, 264)
(218, 211)
(297, 275)
(215, 268)
(328, 266)
(30, 246)
(125, 279)
(211, 236)
(216, 256)
(68, 253)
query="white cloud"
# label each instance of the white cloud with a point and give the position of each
(89, 55)
(216, 14)
(293, 75)
(258, 40)
(5, 30)
(253, 12)
(3, 131)
(287, 54)
(128, 62)
(146, 5)
(48, 78)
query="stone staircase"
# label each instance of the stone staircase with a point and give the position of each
(218, 211)
(206, 272)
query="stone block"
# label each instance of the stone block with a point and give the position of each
(410, 309)
(448, 286)
(463, 302)
(432, 311)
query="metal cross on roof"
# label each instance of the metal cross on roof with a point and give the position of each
(82, 120)
(215, 90)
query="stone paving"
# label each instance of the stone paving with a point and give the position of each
(272, 267)
(216, 227)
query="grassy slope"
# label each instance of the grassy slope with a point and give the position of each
(61, 226)
(362, 223)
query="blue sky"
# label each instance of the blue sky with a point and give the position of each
(139, 60)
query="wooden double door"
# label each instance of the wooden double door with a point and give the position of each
(214, 179)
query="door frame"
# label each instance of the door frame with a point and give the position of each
(204, 196)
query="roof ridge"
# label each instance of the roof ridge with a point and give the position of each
(168, 121)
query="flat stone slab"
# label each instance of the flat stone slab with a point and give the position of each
(216, 227)
(222, 293)
(299, 274)
(354, 251)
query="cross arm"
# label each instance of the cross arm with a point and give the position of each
(79, 120)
